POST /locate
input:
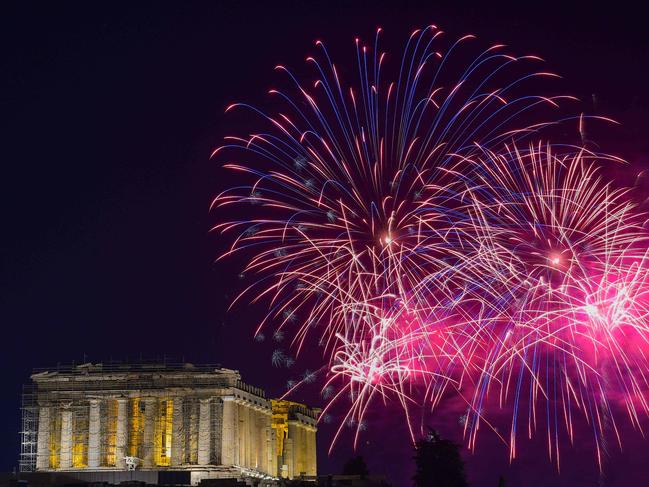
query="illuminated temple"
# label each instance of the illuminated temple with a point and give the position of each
(111, 422)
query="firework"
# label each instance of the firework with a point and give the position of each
(400, 223)
(569, 271)
(346, 183)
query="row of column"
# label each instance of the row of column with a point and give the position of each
(247, 436)
(65, 458)
(246, 439)
(300, 450)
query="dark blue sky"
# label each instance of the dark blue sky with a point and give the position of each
(111, 111)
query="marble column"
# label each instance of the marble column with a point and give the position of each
(229, 431)
(204, 432)
(263, 449)
(241, 434)
(249, 416)
(149, 432)
(262, 457)
(258, 442)
(312, 454)
(43, 439)
(252, 428)
(271, 445)
(305, 449)
(289, 453)
(93, 434)
(237, 435)
(297, 448)
(66, 438)
(177, 436)
(300, 450)
(121, 433)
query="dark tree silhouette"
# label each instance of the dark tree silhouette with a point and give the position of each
(356, 466)
(501, 481)
(438, 463)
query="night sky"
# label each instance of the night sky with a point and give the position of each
(111, 112)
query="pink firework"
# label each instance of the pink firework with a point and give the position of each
(569, 262)
(398, 222)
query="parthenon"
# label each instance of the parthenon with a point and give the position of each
(159, 417)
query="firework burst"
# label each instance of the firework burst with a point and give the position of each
(349, 180)
(569, 272)
(398, 220)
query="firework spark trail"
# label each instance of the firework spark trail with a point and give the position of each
(348, 195)
(569, 257)
(404, 225)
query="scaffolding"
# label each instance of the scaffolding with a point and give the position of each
(28, 430)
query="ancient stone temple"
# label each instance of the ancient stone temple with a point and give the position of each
(132, 422)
